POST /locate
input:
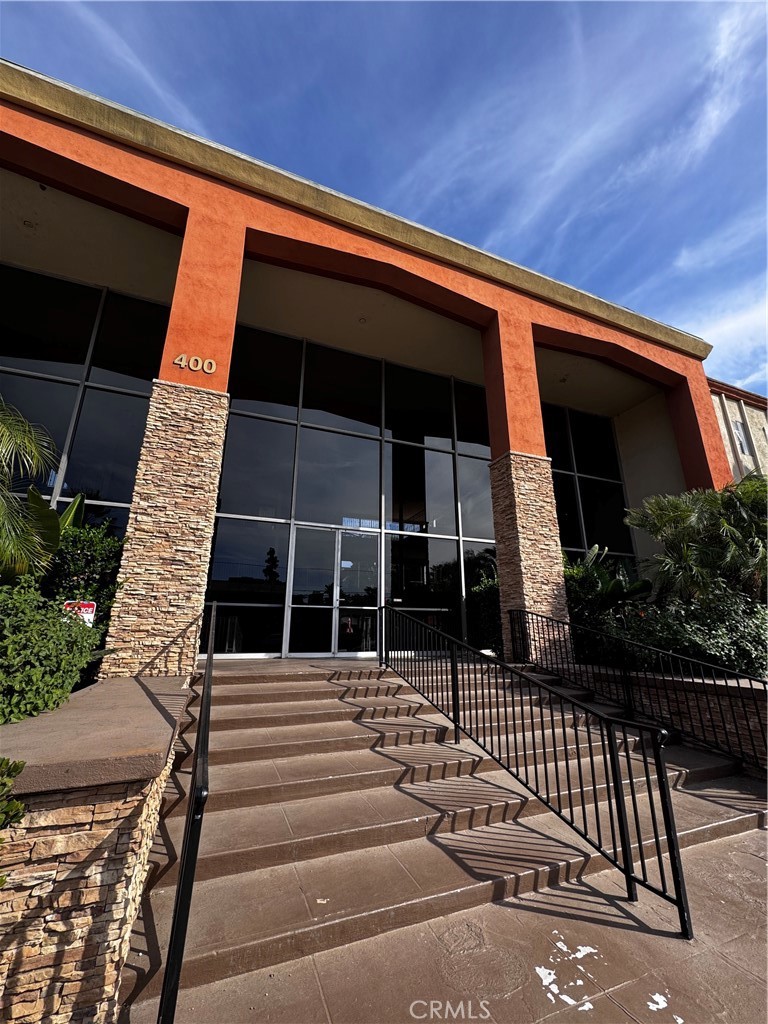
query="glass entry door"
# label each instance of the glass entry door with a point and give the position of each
(334, 592)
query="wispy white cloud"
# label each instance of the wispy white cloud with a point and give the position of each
(113, 45)
(730, 240)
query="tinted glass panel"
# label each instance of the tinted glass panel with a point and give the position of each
(105, 451)
(43, 403)
(341, 390)
(422, 573)
(338, 479)
(475, 497)
(483, 610)
(129, 345)
(567, 511)
(418, 407)
(357, 631)
(556, 436)
(594, 445)
(265, 373)
(471, 420)
(96, 515)
(313, 570)
(246, 630)
(249, 562)
(45, 324)
(311, 630)
(257, 475)
(359, 569)
(418, 488)
(603, 508)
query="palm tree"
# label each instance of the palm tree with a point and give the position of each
(26, 451)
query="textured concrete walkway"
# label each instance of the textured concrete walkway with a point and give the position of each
(579, 952)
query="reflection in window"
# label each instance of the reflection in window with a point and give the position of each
(129, 345)
(338, 479)
(357, 630)
(604, 509)
(257, 473)
(471, 420)
(45, 323)
(43, 403)
(313, 566)
(249, 562)
(105, 451)
(482, 597)
(422, 572)
(341, 390)
(359, 569)
(418, 407)
(475, 498)
(241, 630)
(567, 506)
(419, 491)
(265, 373)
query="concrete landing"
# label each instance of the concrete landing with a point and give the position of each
(578, 952)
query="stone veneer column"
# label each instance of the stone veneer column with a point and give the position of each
(155, 624)
(528, 555)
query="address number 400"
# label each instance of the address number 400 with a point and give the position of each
(195, 363)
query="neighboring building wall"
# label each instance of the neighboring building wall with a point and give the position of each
(743, 422)
(156, 617)
(649, 460)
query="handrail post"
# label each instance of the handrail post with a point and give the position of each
(455, 698)
(382, 653)
(621, 814)
(673, 845)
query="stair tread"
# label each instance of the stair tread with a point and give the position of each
(229, 738)
(313, 707)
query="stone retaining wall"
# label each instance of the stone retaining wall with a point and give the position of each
(76, 868)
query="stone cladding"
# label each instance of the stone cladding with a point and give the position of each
(528, 554)
(76, 867)
(156, 617)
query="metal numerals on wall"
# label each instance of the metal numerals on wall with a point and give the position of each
(195, 363)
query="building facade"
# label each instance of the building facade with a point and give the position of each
(743, 419)
(303, 407)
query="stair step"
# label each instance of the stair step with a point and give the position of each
(244, 716)
(231, 673)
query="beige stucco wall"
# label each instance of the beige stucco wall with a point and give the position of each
(649, 458)
(44, 229)
(757, 422)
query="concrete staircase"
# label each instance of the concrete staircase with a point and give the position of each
(340, 809)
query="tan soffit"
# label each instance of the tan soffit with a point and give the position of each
(38, 92)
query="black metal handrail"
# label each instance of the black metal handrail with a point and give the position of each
(198, 795)
(603, 775)
(717, 708)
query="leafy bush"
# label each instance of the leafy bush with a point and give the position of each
(84, 568)
(11, 811)
(43, 651)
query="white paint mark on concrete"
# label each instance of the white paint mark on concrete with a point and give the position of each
(583, 951)
(678, 1020)
(567, 999)
(657, 1002)
(586, 1006)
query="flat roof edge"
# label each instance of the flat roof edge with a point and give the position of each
(36, 91)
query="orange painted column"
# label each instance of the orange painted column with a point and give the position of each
(528, 557)
(198, 345)
(700, 444)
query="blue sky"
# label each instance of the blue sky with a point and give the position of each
(620, 147)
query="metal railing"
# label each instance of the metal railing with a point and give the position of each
(604, 776)
(713, 707)
(198, 795)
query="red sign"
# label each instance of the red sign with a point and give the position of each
(85, 609)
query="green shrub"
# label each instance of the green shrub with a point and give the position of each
(11, 811)
(43, 651)
(84, 568)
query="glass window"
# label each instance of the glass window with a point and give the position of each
(482, 600)
(257, 473)
(566, 503)
(594, 445)
(357, 631)
(341, 390)
(45, 403)
(418, 407)
(249, 562)
(129, 345)
(311, 630)
(245, 630)
(603, 508)
(418, 489)
(556, 436)
(422, 572)
(313, 567)
(45, 324)
(471, 420)
(359, 569)
(475, 497)
(265, 373)
(338, 479)
(105, 450)
(96, 515)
